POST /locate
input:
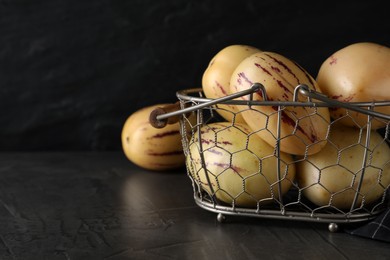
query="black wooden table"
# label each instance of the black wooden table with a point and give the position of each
(98, 205)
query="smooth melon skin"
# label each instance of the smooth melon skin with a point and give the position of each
(359, 72)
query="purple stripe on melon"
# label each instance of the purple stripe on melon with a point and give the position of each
(275, 69)
(347, 99)
(281, 63)
(213, 151)
(204, 141)
(172, 153)
(222, 126)
(204, 183)
(221, 88)
(242, 75)
(337, 96)
(280, 83)
(263, 69)
(164, 134)
(225, 166)
(309, 78)
(332, 60)
(222, 165)
(289, 121)
(206, 130)
(238, 169)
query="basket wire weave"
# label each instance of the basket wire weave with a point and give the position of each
(292, 205)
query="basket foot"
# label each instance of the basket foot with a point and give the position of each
(221, 218)
(333, 227)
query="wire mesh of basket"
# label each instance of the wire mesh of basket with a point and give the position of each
(273, 168)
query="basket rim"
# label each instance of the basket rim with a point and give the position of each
(188, 95)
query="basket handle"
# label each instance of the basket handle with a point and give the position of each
(166, 109)
(170, 114)
(310, 93)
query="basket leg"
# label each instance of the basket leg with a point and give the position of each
(221, 218)
(333, 227)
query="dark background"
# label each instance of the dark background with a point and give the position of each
(71, 72)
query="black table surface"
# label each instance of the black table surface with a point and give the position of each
(98, 205)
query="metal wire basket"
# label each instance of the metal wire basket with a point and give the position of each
(211, 190)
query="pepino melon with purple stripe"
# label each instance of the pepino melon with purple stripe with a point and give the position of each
(231, 163)
(151, 148)
(216, 77)
(303, 129)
